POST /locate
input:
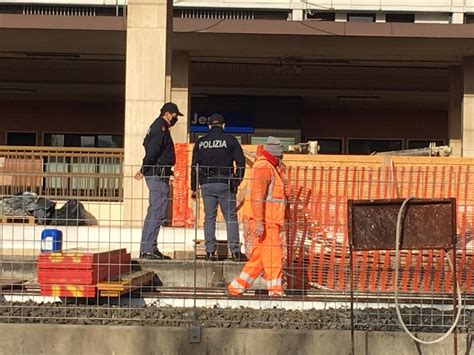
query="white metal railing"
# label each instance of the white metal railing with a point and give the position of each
(59, 10)
(410, 6)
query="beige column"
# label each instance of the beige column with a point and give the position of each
(468, 108)
(455, 109)
(180, 94)
(169, 52)
(147, 27)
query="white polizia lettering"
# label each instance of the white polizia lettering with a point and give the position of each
(217, 143)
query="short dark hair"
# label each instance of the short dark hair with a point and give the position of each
(216, 119)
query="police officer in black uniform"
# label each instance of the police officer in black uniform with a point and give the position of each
(157, 169)
(215, 155)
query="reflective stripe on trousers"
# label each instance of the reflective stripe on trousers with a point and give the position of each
(266, 257)
(240, 284)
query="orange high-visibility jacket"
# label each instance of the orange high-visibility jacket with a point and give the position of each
(267, 193)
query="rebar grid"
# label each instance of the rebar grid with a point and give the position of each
(314, 242)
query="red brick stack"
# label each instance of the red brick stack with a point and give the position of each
(75, 273)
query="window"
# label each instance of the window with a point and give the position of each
(320, 16)
(21, 138)
(328, 145)
(361, 17)
(369, 146)
(109, 141)
(410, 18)
(469, 18)
(286, 141)
(83, 140)
(286, 136)
(415, 143)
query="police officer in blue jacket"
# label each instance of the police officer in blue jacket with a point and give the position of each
(157, 169)
(220, 162)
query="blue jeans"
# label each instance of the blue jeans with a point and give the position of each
(214, 194)
(157, 212)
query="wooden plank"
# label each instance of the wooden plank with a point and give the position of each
(126, 283)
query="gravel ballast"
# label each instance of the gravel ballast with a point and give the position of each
(376, 319)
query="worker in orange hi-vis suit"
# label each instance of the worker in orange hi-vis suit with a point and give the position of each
(267, 203)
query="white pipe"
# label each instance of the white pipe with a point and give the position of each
(397, 306)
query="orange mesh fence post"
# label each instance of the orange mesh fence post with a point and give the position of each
(428, 256)
(320, 195)
(419, 259)
(469, 276)
(418, 271)
(374, 271)
(361, 183)
(182, 213)
(332, 258)
(433, 182)
(377, 185)
(447, 277)
(375, 254)
(321, 257)
(327, 227)
(342, 281)
(384, 276)
(443, 174)
(323, 235)
(355, 256)
(407, 272)
(363, 271)
(439, 269)
(365, 254)
(386, 258)
(369, 183)
(463, 239)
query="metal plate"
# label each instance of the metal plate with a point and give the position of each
(427, 224)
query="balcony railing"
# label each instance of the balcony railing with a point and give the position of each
(93, 174)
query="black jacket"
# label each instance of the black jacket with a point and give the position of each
(216, 153)
(159, 149)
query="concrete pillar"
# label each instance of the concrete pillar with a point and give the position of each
(455, 109)
(180, 94)
(169, 52)
(457, 17)
(297, 15)
(341, 17)
(145, 93)
(468, 108)
(380, 17)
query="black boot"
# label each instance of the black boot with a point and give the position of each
(154, 255)
(238, 256)
(211, 256)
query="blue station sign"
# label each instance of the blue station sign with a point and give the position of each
(235, 122)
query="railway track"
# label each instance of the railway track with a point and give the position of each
(309, 296)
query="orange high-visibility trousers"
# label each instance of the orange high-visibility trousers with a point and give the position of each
(266, 257)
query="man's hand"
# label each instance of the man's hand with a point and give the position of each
(259, 230)
(193, 195)
(138, 175)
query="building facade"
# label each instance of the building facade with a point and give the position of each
(357, 76)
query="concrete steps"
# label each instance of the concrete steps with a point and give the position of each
(172, 273)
